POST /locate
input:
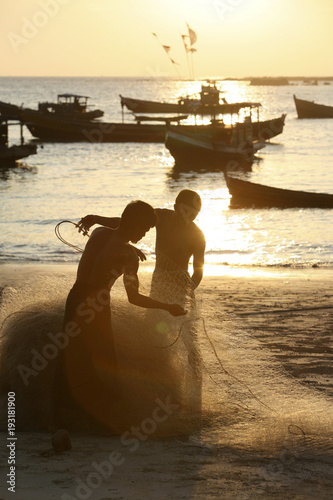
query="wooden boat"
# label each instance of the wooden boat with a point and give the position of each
(267, 129)
(68, 106)
(10, 154)
(229, 148)
(208, 102)
(310, 109)
(71, 105)
(49, 126)
(249, 194)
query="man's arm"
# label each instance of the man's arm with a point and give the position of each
(89, 220)
(111, 222)
(198, 261)
(131, 283)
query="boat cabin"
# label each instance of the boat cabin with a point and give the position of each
(66, 104)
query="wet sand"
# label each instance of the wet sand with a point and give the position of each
(291, 313)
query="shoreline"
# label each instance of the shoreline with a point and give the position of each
(20, 270)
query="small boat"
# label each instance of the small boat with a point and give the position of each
(71, 105)
(310, 109)
(267, 129)
(270, 80)
(10, 154)
(231, 148)
(249, 194)
(208, 102)
(68, 106)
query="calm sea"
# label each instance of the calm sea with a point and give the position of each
(68, 181)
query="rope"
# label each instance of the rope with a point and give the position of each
(57, 232)
(218, 359)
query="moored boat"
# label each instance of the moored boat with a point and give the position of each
(310, 109)
(204, 151)
(249, 194)
(68, 106)
(218, 145)
(10, 154)
(208, 102)
(71, 106)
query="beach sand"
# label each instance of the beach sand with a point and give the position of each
(291, 313)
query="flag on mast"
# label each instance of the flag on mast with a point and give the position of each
(167, 49)
(192, 35)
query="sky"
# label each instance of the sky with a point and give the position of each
(235, 38)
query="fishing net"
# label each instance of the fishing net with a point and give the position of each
(204, 374)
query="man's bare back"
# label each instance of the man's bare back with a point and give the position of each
(178, 238)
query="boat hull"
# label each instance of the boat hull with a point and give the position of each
(200, 151)
(11, 154)
(248, 194)
(267, 129)
(308, 109)
(47, 127)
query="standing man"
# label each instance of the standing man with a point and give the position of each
(87, 370)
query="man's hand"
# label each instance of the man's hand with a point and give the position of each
(176, 310)
(85, 224)
(139, 253)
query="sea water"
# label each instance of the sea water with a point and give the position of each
(70, 180)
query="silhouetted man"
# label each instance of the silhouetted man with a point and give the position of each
(87, 372)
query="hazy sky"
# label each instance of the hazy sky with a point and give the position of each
(114, 37)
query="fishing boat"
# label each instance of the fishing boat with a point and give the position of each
(205, 151)
(48, 127)
(68, 106)
(310, 109)
(264, 130)
(10, 154)
(249, 194)
(71, 105)
(215, 145)
(208, 103)
(54, 126)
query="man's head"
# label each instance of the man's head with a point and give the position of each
(137, 218)
(188, 204)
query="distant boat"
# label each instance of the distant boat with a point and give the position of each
(10, 154)
(309, 109)
(208, 103)
(68, 106)
(249, 194)
(269, 80)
